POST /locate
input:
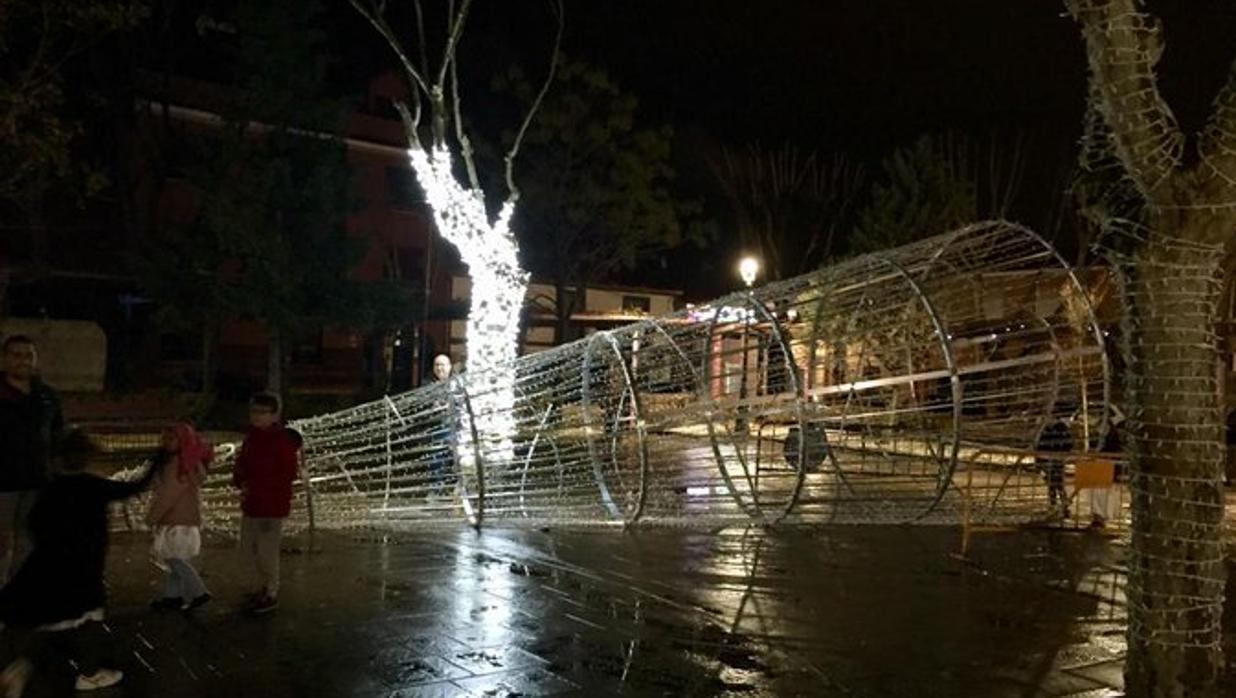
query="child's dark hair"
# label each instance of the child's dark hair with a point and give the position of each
(15, 339)
(75, 448)
(268, 400)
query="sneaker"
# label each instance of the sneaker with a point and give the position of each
(266, 604)
(198, 601)
(99, 679)
(167, 603)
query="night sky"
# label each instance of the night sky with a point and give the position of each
(860, 77)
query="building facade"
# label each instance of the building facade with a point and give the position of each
(390, 217)
(602, 307)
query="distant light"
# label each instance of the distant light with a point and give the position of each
(748, 268)
(699, 491)
(724, 314)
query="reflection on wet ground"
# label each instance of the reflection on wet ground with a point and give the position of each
(871, 611)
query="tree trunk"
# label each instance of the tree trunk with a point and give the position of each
(208, 369)
(36, 227)
(4, 286)
(1176, 569)
(274, 363)
(562, 311)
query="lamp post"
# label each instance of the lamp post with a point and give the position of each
(748, 268)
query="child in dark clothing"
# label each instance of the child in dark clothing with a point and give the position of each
(56, 599)
(265, 469)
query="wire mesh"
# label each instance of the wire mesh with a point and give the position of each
(914, 385)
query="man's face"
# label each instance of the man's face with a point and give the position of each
(262, 416)
(20, 360)
(441, 368)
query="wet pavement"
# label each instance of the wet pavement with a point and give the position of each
(870, 611)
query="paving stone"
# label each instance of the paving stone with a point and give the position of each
(855, 612)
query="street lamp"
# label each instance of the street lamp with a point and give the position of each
(748, 267)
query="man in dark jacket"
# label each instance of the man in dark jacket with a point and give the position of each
(30, 424)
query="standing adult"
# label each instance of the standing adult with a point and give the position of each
(442, 368)
(30, 423)
(443, 452)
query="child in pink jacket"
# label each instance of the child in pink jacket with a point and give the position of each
(175, 516)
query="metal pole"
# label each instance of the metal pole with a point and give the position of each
(307, 480)
(741, 424)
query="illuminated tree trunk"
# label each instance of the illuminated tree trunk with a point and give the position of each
(1169, 258)
(488, 248)
(498, 286)
(1176, 568)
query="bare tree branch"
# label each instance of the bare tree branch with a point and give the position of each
(374, 16)
(1218, 143)
(787, 205)
(439, 111)
(411, 123)
(1006, 169)
(420, 34)
(1123, 46)
(512, 190)
(457, 22)
(465, 144)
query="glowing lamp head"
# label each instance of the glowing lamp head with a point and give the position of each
(748, 267)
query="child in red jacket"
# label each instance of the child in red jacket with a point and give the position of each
(265, 469)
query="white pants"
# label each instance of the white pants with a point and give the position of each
(1104, 502)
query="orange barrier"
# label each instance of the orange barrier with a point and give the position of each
(1094, 473)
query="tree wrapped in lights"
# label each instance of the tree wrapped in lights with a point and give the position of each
(1170, 223)
(486, 244)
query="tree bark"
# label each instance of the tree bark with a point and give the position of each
(274, 363)
(1172, 289)
(36, 221)
(562, 313)
(1176, 570)
(563, 330)
(208, 369)
(1123, 45)
(1218, 144)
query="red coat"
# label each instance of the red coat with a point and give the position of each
(265, 469)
